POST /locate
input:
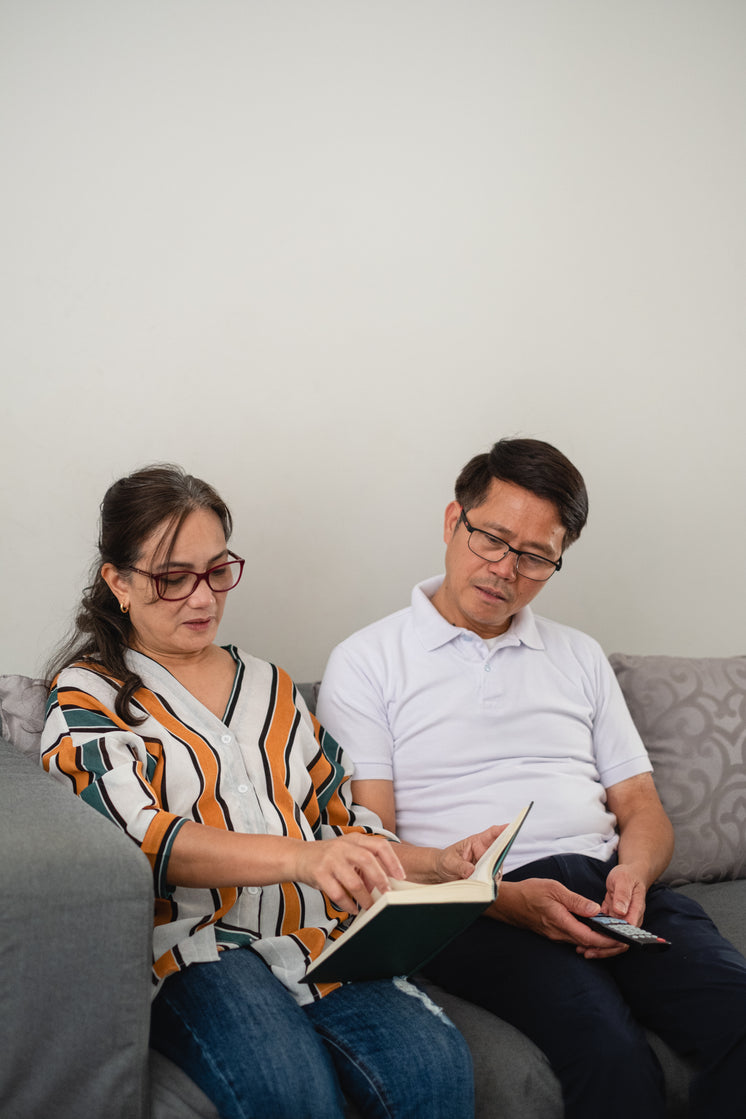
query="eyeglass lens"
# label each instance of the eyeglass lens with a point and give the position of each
(181, 584)
(492, 549)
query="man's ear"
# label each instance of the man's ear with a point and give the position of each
(117, 584)
(452, 518)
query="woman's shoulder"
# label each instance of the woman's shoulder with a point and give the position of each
(86, 671)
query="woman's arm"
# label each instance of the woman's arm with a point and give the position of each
(346, 869)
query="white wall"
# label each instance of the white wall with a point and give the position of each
(323, 252)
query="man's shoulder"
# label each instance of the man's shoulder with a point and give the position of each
(557, 636)
(379, 632)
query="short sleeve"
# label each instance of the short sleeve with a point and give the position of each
(351, 706)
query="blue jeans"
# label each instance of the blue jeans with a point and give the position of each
(588, 1015)
(242, 1037)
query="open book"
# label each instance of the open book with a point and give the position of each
(406, 926)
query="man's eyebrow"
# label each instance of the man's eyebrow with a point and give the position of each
(529, 545)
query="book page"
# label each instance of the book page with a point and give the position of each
(495, 854)
(484, 868)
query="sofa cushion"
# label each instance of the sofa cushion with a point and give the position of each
(691, 714)
(22, 704)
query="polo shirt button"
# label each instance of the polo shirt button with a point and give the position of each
(243, 788)
(226, 739)
(487, 668)
(255, 889)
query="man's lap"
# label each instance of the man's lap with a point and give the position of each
(686, 994)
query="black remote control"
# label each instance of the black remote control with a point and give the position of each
(620, 930)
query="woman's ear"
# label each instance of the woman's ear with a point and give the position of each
(118, 584)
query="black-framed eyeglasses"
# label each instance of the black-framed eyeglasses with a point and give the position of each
(173, 586)
(493, 549)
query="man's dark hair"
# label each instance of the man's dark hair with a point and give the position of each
(536, 466)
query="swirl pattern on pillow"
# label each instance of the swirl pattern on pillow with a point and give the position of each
(691, 715)
(22, 704)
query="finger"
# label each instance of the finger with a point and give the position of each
(602, 953)
(384, 853)
(489, 836)
(340, 899)
(389, 858)
(352, 883)
(372, 872)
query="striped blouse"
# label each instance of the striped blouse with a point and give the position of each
(266, 767)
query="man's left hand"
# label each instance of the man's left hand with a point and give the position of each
(625, 894)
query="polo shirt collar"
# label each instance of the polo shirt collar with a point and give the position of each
(434, 631)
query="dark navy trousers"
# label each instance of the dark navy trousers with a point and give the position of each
(588, 1015)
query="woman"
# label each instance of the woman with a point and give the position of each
(210, 761)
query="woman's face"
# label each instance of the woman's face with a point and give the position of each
(166, 630)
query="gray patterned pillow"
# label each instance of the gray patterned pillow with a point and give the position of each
(22, 704)
(691, 714)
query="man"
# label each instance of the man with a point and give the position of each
(464, 707)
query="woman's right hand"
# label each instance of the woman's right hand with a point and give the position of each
(348, 868)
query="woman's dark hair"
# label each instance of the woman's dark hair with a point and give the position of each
(160, 496)
(535, 466)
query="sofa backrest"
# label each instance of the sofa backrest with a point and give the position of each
(691, 715)
(690, 712)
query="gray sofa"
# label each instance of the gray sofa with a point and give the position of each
(77, 902)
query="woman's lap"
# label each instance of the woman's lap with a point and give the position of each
(241, 1036)
(396, 1053)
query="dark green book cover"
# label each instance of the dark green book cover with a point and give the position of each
(405, 927)
(398, 942)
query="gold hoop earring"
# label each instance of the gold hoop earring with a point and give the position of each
(124, 608)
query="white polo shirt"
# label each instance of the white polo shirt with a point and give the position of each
(471, 730)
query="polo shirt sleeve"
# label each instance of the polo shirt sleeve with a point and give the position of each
(352, 708)
(619, 750)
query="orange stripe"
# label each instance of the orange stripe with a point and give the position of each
(155, 833)
(64, 755)
(166, 965)
(315, 941)
(209, 809)
(274, 747)
(71, 697)
(291, 918)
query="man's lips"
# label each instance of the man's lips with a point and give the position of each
(492, 593)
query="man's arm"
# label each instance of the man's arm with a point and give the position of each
(424, 864)
(645, 846)
(542, 905)
(378, 796)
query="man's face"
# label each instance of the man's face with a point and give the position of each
(481, 595)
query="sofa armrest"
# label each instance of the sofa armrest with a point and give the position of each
(75, 947)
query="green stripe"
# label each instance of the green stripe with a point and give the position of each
(79, 718)
(238, 939)
(332, 752)
(92, 795)
(163, 888)
(93, 759)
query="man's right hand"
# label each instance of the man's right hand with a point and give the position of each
(546, 907)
